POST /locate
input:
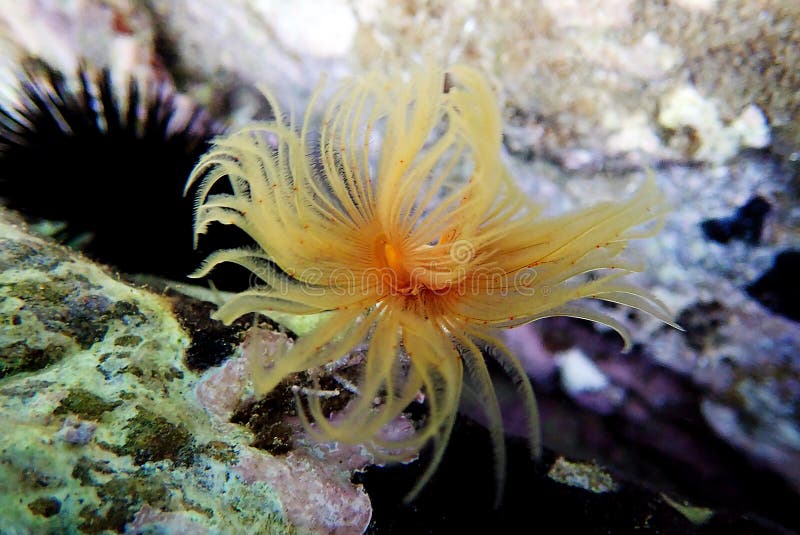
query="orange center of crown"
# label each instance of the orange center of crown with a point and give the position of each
(390, 259)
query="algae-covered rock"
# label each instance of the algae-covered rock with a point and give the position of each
(586, 476)
(103, 430)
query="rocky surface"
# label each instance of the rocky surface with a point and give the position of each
(740, 348)
(109, 428)
(590, 81)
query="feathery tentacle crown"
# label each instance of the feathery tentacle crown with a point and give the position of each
(400, 218)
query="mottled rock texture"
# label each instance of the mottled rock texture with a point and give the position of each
(107, 427)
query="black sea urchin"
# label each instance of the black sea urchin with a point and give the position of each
(109, 161)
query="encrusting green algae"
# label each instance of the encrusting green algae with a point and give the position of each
(108, 432)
